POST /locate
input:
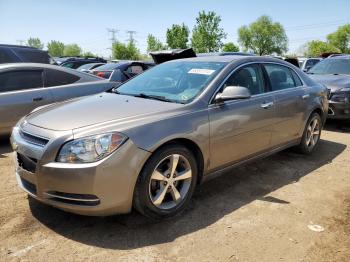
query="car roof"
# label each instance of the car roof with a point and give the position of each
(225, 54)
(233, 58)
(48, 66)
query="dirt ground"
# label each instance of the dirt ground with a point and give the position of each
(263, 211)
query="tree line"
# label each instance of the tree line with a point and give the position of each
(57, 48)
(262, 37)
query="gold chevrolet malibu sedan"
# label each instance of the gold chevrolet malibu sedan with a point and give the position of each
(149, 142)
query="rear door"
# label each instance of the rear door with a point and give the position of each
(241, 128)
(291, 99)
(64, 85)
(20, 92)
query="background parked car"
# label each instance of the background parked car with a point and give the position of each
(75, 62)
(87, 68)
(334, 72)
(121, 71)
(308, 63)
(17, 53)
(25, 86)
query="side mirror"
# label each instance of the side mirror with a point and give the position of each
(307, 68)
(233, 93)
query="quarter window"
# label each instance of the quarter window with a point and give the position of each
(250, 77)
(59, 78)
(20, 80)
(281, 77)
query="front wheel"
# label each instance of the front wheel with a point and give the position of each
(311, 135)
(166, 183)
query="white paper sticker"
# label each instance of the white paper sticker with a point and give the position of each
(201, 71)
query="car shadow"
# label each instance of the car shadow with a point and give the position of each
(211, 202)
(5, 147)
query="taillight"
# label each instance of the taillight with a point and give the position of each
(100, 74)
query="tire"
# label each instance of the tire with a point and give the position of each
(155, 181)
(308, 144)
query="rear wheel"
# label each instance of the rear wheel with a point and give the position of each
(311, 135)
(166, 182)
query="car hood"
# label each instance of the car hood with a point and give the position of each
(333, 82)
(96, 109)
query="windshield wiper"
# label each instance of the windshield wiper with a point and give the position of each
(160, 98)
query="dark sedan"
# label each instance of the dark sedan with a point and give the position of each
(334, 72)
(122, 70)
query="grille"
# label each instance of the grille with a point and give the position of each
(27, 163)
(32, 139)
(28, 186)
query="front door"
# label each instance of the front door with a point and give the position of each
(241, 128)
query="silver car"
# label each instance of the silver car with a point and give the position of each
(148, 143)
(25, 86)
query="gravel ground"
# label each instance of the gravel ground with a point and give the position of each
(265, 211)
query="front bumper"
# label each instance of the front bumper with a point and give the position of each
(339, 110)
(101, 188)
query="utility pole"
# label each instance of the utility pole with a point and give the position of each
(113, 31)
(131, 35)
(21, 42)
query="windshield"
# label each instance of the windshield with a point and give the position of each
(332, 66)
(178, 81)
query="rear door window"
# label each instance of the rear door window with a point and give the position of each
(59, 78)
(20, 80)
(280, 77)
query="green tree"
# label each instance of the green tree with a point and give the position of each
(127, 51)
(207, 35)
(55, 48)
(35, 42)
(230, 47)
(177, 36)
(341, 38)
(88, 54)
(263, 37)
(316, 48)
(154, 44)
(72, 50)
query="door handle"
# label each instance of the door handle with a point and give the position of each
(266, 105)
(36, 99)
(305, 96)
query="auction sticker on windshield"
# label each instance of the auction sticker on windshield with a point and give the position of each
(201, 71)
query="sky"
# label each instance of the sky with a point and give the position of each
(85, 22)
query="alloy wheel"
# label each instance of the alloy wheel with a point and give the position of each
(170, 181)
(313, 133)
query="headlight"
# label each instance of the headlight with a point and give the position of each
(90, 149)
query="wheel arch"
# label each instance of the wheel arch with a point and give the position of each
(193, 147)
